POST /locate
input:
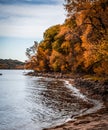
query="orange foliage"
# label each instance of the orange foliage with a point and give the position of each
(80, 44)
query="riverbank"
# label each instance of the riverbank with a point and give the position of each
(97, 120)
(92, 86)
(94, 121)
(93, 89)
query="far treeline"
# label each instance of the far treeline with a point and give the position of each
(11, 64)
(79, 45)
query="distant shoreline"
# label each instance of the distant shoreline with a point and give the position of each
(11, 64)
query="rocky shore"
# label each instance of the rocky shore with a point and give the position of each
(93, 89)
(94, 121)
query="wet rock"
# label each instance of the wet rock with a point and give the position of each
(82, 122)
(95, 89)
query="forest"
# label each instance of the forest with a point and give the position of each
(79, 45)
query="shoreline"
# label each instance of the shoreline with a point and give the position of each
(93, 121)
(84, 120)
(94, 90)
(91, 87)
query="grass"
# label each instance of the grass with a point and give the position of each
(96, 78)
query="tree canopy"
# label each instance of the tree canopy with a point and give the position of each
(79, 45)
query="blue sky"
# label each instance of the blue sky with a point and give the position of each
(23, 21)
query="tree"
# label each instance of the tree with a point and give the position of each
(78, 45)
(51, 32)
(31, 51)
(75, 6)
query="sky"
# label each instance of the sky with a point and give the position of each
(24, 21)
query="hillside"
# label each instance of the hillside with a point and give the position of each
(11, 64)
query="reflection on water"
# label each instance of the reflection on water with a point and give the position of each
(33, 103)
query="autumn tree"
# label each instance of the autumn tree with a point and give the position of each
(79, 44)
(31, 54)
(31, 51)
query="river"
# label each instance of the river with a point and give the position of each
(34, 103)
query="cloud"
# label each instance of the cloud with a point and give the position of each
(38, 2)
(29, 20)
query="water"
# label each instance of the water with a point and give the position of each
(34, 103)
